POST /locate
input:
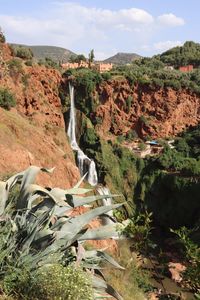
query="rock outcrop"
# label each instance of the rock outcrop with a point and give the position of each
(33, 133)
(149, 111)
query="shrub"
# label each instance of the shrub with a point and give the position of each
(7, 99)
(120, 138)
(139, 229)
(48, 63)
(23, 52)
(56, 282)
(2, 37)
(128, 103)
(131, 135)
(29, 63)
(192, 254)
(143, 120)
(106, 76)
(15, 67)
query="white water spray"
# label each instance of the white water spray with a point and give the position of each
(85, 164)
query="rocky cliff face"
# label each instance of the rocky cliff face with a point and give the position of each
(33, 133)
(148, 111)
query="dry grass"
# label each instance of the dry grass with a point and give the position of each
(125, 281)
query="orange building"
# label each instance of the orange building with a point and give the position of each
(100, 67)
(187, 68)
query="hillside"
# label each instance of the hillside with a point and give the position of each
(122, 58)
(33, 132)
(187, 54)
(57, 54)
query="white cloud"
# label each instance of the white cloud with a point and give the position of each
(170, 20)
(162, 46)
(80, 28)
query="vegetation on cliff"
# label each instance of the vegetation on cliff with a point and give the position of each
(151, 72)
(188, 54)
(7, 99)
(169, 183)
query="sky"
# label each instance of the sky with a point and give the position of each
(145, 27)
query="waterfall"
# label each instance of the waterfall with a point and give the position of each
(85, 164)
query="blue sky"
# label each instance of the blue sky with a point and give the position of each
(145, 27)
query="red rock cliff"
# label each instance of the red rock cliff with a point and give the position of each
(33, 133)
(154, 112)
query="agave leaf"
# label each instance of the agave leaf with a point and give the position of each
(103, 257)
(63, 243)
(74, 225)
(33, 228)
(28, 179)
(43, 234)
(43, 238)
(99, 273)
(102, 286)
(25, 196)
(44, 206)
(77, 191)
(76, 201)
(61, 211)
(31, 173)
(3, 196)
(58, 193)
(59, 223)
(14, 179)
(5, 187)
(103, 232)
(80, 181)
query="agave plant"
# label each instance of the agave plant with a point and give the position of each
(39, 229)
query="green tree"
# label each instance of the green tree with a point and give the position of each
(2, 36)
(77, 58)
(7, 99)
(91, 57)
(23, 52)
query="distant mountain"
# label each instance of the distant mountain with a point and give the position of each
(58, 54)
(122, 58)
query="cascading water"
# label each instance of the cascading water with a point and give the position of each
(85, 164)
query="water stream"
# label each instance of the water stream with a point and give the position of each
(85, 164)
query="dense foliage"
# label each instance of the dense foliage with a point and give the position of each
(77, 58)
(2, 36)
(85, 82)
(22, 52)
(155, 72)
(191, 251)
(7, 99)
(151, 72)
(187, 54)
(169, 184)
(55, 282)
(49, 63)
